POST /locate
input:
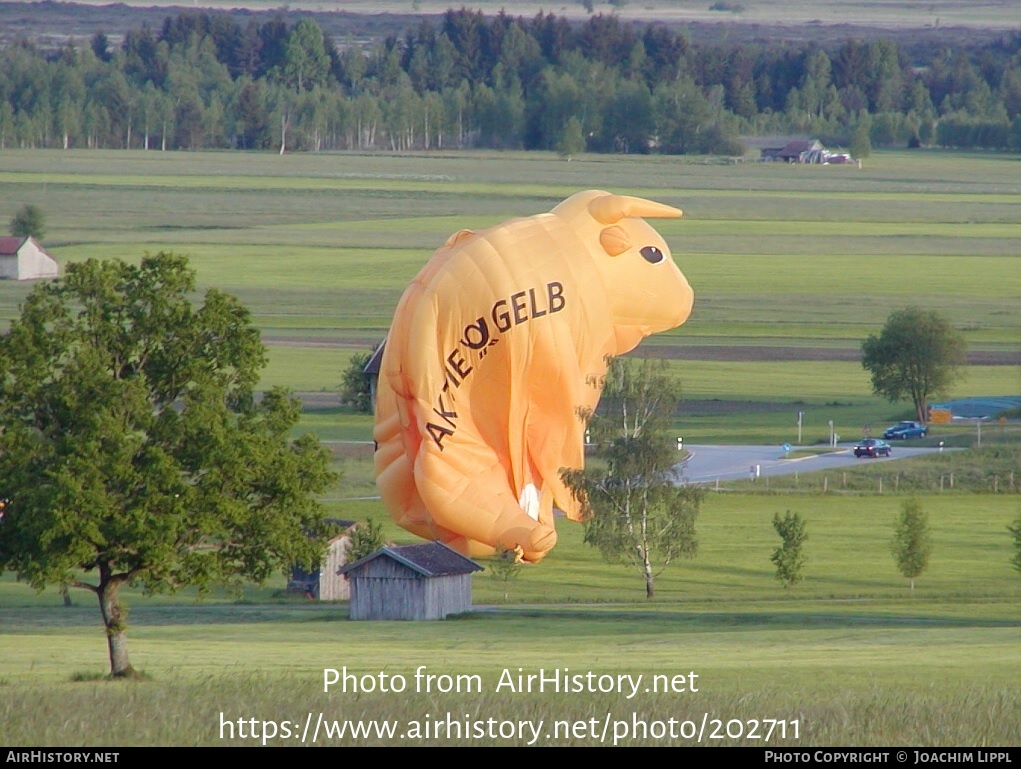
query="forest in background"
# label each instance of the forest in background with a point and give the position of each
(467, 80)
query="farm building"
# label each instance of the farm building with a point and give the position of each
(371, 370)
(21, 258)
(428, 581)
(794, 150)
(326, 583)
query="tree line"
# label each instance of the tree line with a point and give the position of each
(468, 80)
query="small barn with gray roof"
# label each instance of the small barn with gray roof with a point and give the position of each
(428, 581)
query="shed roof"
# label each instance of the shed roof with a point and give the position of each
(782, 147)
(10, 245)
(797, 146)
(375, 360)
(432, 559)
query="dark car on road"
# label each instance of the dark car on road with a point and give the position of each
(904, 430)
(872, 447)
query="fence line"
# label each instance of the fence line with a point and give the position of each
(879, 484)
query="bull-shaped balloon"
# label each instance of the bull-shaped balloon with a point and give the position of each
(497, 349)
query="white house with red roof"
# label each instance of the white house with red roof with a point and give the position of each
(22, 258)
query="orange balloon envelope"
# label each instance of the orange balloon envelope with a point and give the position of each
(497, 349)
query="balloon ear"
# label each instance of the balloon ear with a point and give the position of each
(614, 240)
(609, 209)
(457, 237)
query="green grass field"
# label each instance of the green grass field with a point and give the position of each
(839, 652)
(320, 247)
(323, 245)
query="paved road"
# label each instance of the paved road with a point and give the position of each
(707, 463)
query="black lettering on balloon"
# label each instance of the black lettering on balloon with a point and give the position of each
(485, 350)
(458, 364)
(479, 329)
(448, 415)
(501, 319)
(438, 433)
(512, 311)
(442, 412)
(518, 307)
(555, 291)
(536, 312)
(449, 379)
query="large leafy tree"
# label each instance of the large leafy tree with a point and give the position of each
(28, 221)
(917, 355)
(133, 448)
(635, 514)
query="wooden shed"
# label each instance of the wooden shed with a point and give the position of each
(429, 581)
(326, 583)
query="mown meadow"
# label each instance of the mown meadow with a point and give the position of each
(323, 245)
(320, 248)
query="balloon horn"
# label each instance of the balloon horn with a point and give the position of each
(609, 209)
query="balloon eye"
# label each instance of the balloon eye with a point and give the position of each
(652, 254)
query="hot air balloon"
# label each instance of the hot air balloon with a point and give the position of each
(497, 350)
